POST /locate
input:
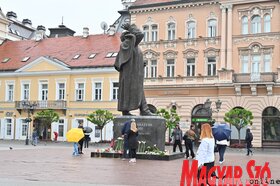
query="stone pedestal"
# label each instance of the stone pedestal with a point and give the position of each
(150, 129)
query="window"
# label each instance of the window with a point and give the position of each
(267, 23)
(44, 91)
(25, 59)
(171, 31)
(10, 92)
(153, 68)
(80, 91)
(190, 66)
(267, 63)
(154, 32)
(97, 91)
(146, 69)
(170, 68)
(77, 56)
(256, 25)
(146, 33)
(245, 29)
(25, 91)
(61, 128)
(191, 29)
(115, 90)
(24, 127)
(5, 60)
(245, 64)
(211, 66)
(212, 26)
(61, 91)
(91, 56)
(111, 54)
(9, 127)
(256, 59)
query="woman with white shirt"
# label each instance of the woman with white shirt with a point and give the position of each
(205, 153)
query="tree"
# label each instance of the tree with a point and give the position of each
(239, 118)
(171, 119)
(100, 118)
(47, 117)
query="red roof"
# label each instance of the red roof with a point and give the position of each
(62, 48)
(146, 2)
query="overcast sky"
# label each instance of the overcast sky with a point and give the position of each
(76, 13)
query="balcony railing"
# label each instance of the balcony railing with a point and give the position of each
(264, 77)
(60, 104)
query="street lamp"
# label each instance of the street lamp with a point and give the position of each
(27, 105)
(207, 105)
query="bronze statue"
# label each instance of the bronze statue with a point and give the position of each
(129, 63)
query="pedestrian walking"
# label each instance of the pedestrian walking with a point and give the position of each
(35, 137)
(221, 147)
(189, 137)
(132, 141)
(55, 136)
(177, 135)
(205, 153)
(81, 142)
(125, 131)
(87, 139)
(249, 139)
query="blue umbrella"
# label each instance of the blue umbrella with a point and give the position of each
(221, 131)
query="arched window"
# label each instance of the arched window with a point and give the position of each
(245, 25)
(267, 23)
(146, 33)
(171, 31)
(191, 29)
(256, 25)
(212, 26)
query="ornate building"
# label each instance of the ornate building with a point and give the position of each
(222, 50)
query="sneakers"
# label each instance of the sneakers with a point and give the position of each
(133, 160)
(221, 162)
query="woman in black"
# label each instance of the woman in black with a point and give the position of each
(132, 141)
(249, 139)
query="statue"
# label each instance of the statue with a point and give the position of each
(130, 65)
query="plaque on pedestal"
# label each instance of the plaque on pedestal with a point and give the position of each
(151, 129)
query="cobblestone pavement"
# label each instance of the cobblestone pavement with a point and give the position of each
(53, 164)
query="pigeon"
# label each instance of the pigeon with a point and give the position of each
(11, 148)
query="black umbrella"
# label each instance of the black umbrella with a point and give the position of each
(87, 129)
(221, 131)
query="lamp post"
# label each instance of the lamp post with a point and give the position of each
(207, 105)
(27, 105)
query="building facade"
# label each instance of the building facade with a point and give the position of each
(222, 50)
(72, 75)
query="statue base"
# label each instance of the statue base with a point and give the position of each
(151, 129)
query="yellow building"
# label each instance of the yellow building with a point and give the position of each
(223, 50)
(72, 75)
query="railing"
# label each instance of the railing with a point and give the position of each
(259, 77)
(60, 104)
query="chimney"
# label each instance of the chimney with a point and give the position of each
(85, 32)
(11, 15)
(27, 22)
(40, 32)
(112, 30)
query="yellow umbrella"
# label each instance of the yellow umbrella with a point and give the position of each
(74, 135)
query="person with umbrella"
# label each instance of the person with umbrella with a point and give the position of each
(75, 135)
(87, 131)
(221, 134)
(81, 142)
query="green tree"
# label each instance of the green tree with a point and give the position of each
(239, 118)
(100, 118)
(47, 117)
(171, 119)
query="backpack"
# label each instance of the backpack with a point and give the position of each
(250, 136)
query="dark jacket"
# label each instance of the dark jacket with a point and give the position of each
(249, 137)
(132, 140)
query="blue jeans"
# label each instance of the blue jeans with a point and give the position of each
(221, 149)
(34, 140)
(76, 149)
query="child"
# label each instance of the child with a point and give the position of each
(76, 149)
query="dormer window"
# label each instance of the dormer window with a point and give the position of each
(5, 60)
(91, 56)
(112, 54)
(77, 56)
(25, 59)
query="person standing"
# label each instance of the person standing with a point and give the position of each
(76, 149)
(249, 139)
(81, 142)
(177, 135)
(125, 131)
(189, 137)
(205, 153)
(132, 141)
(221, 146)
(130, 65)
(87, 139)
(35, 137)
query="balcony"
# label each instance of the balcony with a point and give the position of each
(55, 105)
(265, 77)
